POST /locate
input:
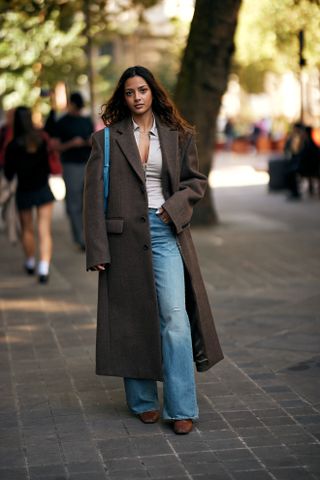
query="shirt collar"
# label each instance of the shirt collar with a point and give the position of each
(153, 130)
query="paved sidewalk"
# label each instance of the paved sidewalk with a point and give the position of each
(260, 407)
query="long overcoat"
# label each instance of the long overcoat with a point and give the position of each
(128, 327)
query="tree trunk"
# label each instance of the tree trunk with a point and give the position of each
(203, 79)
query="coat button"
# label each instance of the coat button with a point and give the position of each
(143, 219)
(145, 247)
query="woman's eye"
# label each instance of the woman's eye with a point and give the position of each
(143, 90)
(128, 94)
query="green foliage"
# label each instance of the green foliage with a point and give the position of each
(46, 41)
(267, 38)
(35, 53)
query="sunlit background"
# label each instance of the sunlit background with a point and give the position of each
(237, 176)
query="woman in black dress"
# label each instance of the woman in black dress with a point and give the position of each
(27, 157)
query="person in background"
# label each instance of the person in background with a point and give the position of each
(27, 157)
(154, 318)
(310, 161)
(293, 150)
(9, 221)
(229, 132)
(73, 131)
(6, 132)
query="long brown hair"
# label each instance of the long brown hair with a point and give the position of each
(116, 108)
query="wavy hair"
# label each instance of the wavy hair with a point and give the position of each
(116, 108)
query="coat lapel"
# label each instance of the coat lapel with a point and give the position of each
(125, 139)
(169, 147)
(168, 138)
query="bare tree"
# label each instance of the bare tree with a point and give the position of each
(203, 79)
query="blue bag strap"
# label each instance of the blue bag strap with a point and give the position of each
(106, 166)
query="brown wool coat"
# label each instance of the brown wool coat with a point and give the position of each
(128, 331)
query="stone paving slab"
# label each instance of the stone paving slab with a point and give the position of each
(260, 407)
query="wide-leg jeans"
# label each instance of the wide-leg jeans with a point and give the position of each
(179, 390)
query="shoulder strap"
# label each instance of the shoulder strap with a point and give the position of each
(106, 166)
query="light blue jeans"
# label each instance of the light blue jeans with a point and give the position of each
(179, 390)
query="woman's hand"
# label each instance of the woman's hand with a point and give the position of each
(98, 268)
(164, 216)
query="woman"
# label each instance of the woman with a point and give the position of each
(27, 157)
(153, 313)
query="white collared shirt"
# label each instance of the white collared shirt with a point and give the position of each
(153, 166)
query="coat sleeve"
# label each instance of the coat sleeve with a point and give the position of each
(96, 240)
(192, 188)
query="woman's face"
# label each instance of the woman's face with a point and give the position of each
(138, 95)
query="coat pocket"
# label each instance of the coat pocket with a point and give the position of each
(114, 225)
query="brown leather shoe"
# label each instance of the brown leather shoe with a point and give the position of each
(149, 417)
(182, 427)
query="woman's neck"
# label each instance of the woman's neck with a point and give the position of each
(144, 121)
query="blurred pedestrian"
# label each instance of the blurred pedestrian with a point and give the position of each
(154, 317)
(229, 133)
(293, 149)
(6, 132)
(27, 157)
(303, 160)
(8, 211)
(310, 161)
(74, 131)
